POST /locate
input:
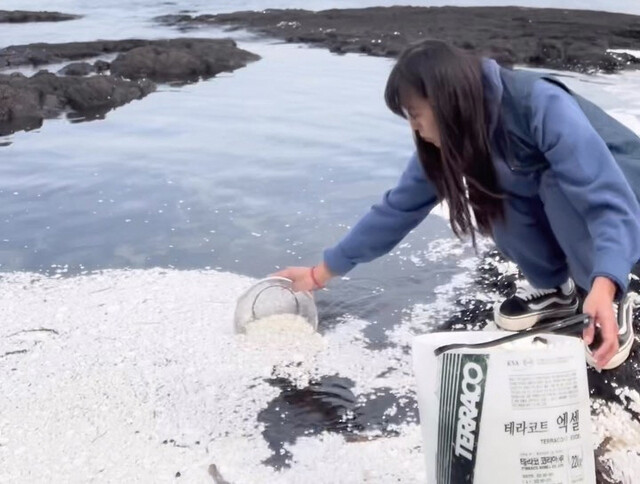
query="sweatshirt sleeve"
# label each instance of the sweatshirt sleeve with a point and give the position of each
(387, 223)
(591, 179)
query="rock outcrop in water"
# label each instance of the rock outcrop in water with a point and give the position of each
(26, 101)
(562, 39)
(78, 69)
(38, 54)
(22, 16)
(181, 60)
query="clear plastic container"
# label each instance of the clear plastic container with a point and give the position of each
(271, 296)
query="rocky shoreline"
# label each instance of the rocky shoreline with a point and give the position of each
(561, 39)
(26, 101)
(23, 16)
(575, 40)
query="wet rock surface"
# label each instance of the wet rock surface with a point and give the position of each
(562, 39)
(216, 55)
(329, 405)
(181, 60)
(26, 101)
(22, 16)
(38, 54)
(77, 69)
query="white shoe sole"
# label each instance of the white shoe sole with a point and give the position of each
(526, 322)
(618, 359)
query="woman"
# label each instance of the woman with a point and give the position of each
(520, 158)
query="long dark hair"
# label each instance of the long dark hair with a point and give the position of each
(461, 169)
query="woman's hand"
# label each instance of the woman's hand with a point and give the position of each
(599, 305)
(306, 278)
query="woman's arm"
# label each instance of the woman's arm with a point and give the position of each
(380, 230)
(387, 223)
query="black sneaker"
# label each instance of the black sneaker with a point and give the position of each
(624, 315)
(530, 305)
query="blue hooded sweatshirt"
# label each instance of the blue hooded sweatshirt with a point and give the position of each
(594, 158)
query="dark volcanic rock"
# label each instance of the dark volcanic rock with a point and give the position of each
(77, 69)
(206, 57)
(329, 405)
(181, 59)
(41, 53)
(26, 101)
(21, 16)
(101, 66)
(19, 109)
(563, 39)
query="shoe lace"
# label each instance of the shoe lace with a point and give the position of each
(527, 292)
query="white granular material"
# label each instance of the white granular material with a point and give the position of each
(619, 433)
(278, 325)
(288, 343)
(286, 338)
(119, 377)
